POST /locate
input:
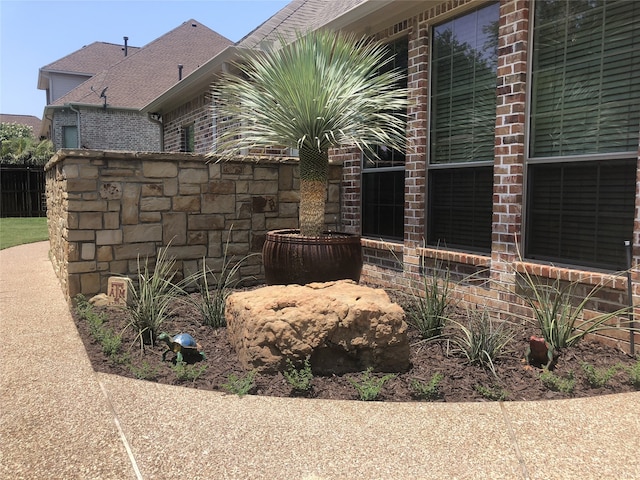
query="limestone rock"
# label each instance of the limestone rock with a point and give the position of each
(101, 300)
(341, 326)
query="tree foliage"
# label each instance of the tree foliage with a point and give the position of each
(19, 146)
(323, 90)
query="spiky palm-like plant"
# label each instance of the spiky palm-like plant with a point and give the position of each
(324, 89)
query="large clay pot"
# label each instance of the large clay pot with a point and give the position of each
(290, 258)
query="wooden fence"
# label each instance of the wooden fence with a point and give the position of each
(22, 191)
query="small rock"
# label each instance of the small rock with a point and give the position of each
(100, 300)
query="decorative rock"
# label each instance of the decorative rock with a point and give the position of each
(101, 300)
(341, 326)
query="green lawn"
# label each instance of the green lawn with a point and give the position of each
(16, 231)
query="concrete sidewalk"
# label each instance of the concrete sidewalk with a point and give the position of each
(61, 420)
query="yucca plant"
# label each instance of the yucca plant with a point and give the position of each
(213, 295)
(324, 89)
(558, 310)
(432, 302)
(483, 339)
(150, 298)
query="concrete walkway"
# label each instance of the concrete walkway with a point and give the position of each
(61, 420)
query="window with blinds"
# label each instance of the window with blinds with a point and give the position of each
(188, 138)
(584, 131)
(581, 212)
(585, 96)
(383, 176)
(462, 131)
(461, 208)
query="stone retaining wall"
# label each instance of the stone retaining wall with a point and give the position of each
(106, 209)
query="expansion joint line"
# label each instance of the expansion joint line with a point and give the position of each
(514, 442)
(123, 438)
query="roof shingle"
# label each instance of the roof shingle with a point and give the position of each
(90, 59)
(142, 76)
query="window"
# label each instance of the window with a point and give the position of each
(583, 131)
(188, 138)
(70, 137)
(383, 177)
(463, 112)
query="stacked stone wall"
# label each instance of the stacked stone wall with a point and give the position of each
(108, 209)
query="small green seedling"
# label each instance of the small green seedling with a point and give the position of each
(145, 371)
(634, 374)
(369, 386)
(240, 385)
(493, 393)
(186, 372)
(429, 390)
(557, 383)
(598, 378)
(299, 379)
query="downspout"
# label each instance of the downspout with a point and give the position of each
(78, 123)
(157, 118)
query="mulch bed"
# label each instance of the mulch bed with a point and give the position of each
(461, 381)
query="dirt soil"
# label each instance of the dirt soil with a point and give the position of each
(515, 381)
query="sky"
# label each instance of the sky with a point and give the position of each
(36, 33)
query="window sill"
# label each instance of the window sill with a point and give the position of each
(617, 282)
(387, 245)
(456, 257)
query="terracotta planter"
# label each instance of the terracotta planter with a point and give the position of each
(291, 258)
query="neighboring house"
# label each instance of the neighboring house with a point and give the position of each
(63, 75)
(28, 120)
(103, 112)
(523, 132)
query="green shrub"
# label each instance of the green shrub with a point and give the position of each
(429, 390)
(558, 310)
(240, 385)
(598, 378)
(369, 387)
(145, 371)
(186, 372)
(634, 374)
(557, 383)
(483, 340)
(493, 393)
(110, 342)
(299, 379)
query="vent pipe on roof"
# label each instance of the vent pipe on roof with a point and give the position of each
(126, 48)
(179, 71)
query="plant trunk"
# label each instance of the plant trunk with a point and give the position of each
(314, 170)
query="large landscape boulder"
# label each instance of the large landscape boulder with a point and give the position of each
(341, 326)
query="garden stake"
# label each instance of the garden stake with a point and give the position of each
(632, 328)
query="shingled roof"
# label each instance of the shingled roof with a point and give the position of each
(299, 15)
(89, 60)
(140, 77)
(29, 120)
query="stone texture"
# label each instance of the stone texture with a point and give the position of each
(341, 326)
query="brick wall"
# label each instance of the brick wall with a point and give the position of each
(107, 208)
(109, 129)
(198, 112)
(494, 281)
